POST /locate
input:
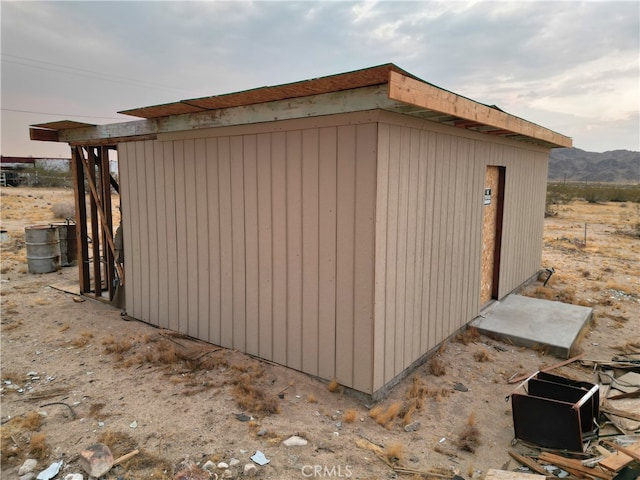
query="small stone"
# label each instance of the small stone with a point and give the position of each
(412, 427)
(209, 466)
(262, 432)
(134, 424)
(50, 472)
(295, 441)
(460, 387)
(233, 462)
(27, 476)
(74, 476)
(250, 470)
(223, 465)
(260, 458)
(227, 474)
(28, 466)
(32, 374)
(96, 460)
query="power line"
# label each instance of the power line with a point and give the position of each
(83, 72)
(59, 114)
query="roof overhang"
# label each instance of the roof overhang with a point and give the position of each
(385, 87)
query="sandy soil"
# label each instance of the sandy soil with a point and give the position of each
(89, 375)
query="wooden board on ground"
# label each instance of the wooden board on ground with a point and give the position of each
(619, 460)
(494, 474)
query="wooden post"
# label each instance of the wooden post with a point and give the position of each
(95, 227)
(105, 177)
(81, 219)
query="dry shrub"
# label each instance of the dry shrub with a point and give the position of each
(64, 210)
(311, 398)
(385, 416)
(252, 398)
(95, 409)
(82, 340)
(38, 446)
(117, 345)
(349, 416)
(121, 443)
(469, 438)
(483, 355)
(11, 376)
(333, 386)
(437, 366)
(394, 452)
(468, 335)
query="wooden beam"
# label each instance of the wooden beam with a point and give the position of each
(81, 220)
(102, 216)
(361, 99)
(408, 90)
(43, 135)
(95, 226)
(105, 184)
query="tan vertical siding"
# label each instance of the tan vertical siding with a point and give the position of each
(344, 248)
(429, 232)
(259, 241)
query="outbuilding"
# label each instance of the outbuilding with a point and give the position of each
(342, 226)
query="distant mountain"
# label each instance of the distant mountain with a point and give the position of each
(573, 164)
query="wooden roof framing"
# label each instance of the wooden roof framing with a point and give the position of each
(385, 87)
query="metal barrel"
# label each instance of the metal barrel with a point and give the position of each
(68, 243)
(43, 248)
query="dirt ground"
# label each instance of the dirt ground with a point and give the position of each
(74, 373)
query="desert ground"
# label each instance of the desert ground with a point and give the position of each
(74, 372)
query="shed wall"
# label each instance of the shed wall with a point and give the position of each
(258, 240)
(429, 210)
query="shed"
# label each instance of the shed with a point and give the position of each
(342, 226)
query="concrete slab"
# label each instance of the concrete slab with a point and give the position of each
(530, 321)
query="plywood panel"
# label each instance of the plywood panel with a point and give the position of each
(428, 299)
(364, 248)
(294, 248)
(416, 221)
(251, 247)
(191, 252)
(238, 243)
(327, 217)
(141, 261)
(124, 164)
(172, 236)
(214, 331)
(401, 252)
(488, 235)
(161, 222)
(310, 250)
(265, 247)
(279, 245)
(202, 236)
(181, 237)
(346, 172)
(382, 192)
(226, 242)
(392, 248)
(153, 279)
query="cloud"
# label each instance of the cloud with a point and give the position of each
(568, 61)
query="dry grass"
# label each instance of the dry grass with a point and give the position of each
(386, 415)
(482, 355)
(437, 366)
(469, 438)
(333, 386)
(349, 416)
(311, 398)
(20, 439)
(251, 397)
(468, 335)
(82, 340)
(122, 443)
(394, 453)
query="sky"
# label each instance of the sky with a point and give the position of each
(570, 66)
